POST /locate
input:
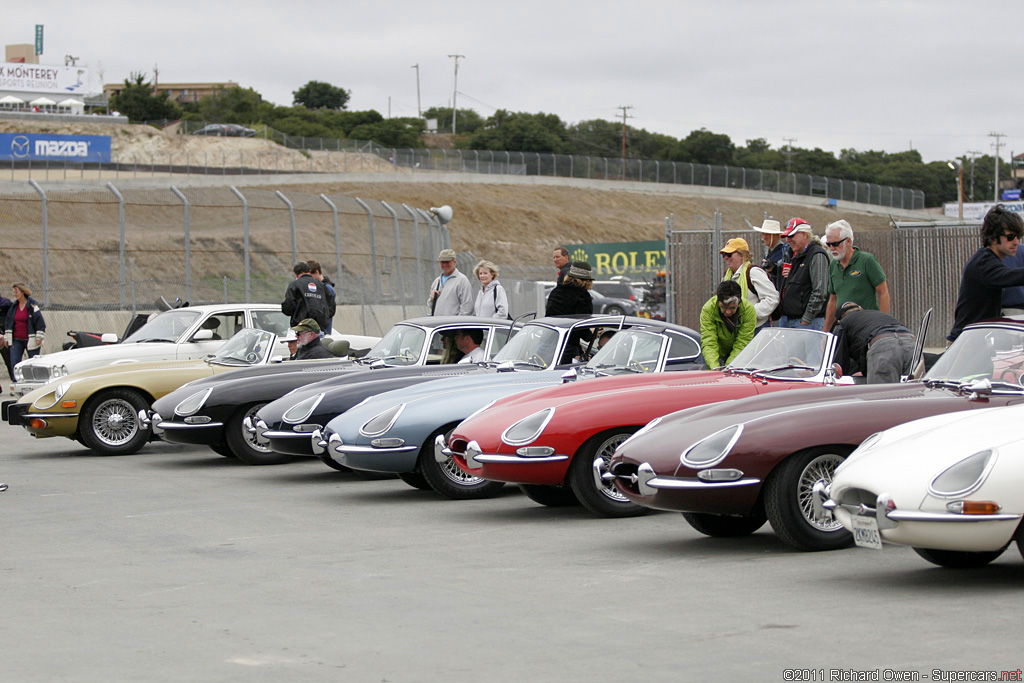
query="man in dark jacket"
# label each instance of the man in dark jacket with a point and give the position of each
(306, 297)
(309, 346)
(985, 275)
(804, 294)
(873, 343)
(573, 295)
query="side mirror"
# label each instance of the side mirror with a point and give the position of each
(202, 335)
(569, 376)
(108, 338)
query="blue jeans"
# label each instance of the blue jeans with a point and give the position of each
(816, 324)
(19, 347)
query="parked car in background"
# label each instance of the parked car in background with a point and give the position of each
(226, 130)
(611, 297)
(180, 333)
(396, 431)
(950, 486)
(219, 411)
(101, 407)
(550, 440)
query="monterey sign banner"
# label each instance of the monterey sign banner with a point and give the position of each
(43, 78)
(48, 147)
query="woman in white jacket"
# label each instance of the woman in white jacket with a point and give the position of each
(491, 300)
(754, 282)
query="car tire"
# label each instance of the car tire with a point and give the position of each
(601, 498)
(222, 449)
(415, 480)
(447, 478)
(958, 559)
(614, 310)
(244, 445)
(788, 502)
(725, 526)
(110, 423)
(550, 496)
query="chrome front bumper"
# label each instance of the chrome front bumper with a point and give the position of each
(649, 483)
(475, 459)
(889, 516)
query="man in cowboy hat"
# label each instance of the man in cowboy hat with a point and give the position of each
(771, 235)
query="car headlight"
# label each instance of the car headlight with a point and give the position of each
(527, 429)
(382, 422)
(62, 389)
(19, 375)
(302, 410)
(964, 477)
(193, 403)
(711, 449)
(58, 371)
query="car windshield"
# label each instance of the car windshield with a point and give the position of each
(168, 326)
(993, 353)
(248, 347)
(533, 348)
(783, 352)
(628, 351)
(402, 345)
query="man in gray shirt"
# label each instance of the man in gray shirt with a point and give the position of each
(450, 293)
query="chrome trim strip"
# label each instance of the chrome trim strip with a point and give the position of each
(694, 484)
(919, 516)
(277, 434)
(494, 457)
(47, 416)
(182, 425)
(352, 448)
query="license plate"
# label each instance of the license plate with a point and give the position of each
(865, 532)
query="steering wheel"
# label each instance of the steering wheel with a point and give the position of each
(636, 365)
(793, 360)
(537, 360)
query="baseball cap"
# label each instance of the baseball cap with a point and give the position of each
(734, 245)
(307, 325)
(446, 255)
(796, 225)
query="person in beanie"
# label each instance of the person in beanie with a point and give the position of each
(727, 323)
(573, 295)
(450, 293)
(308, 341)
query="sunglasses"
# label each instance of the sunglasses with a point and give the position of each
(837, 242)
(1011, 236)
(728, 256)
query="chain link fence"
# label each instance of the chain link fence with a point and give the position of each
(923, 267)
(121, 248)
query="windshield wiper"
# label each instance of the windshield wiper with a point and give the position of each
(944, 382)
(155, 339)
(738, 371)
(529, 364)
(228, 361)
(780, 368)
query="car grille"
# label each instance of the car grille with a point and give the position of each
(35, 373)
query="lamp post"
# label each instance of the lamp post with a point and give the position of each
(959, 167)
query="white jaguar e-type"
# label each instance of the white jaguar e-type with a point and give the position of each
(950, 486)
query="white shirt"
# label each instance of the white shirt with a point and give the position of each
(474, 356)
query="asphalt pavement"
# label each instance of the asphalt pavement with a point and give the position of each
(177, 564)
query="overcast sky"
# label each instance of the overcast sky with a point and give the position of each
(937, 75)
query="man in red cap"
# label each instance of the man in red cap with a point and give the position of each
(804, 295)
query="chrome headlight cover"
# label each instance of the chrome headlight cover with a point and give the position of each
(192, 404)
(19, 374)
(62, 389)
(712, 449)
(299, 412)
(964, 477)
(528, 429)
(382, 422)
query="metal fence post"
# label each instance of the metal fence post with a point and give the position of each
(337, 241)
(46, 242)
(416, 239)
(245, 229)
(373, 250)
(188, 244)
(670, 299)
(398, 255)
(291, 221)
(120, 218)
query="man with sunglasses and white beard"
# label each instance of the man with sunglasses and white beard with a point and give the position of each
(853, 275)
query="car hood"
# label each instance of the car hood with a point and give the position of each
(91, 356)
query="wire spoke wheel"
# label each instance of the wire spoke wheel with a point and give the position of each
(820, 469)
(114, 422)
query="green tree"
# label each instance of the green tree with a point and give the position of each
(403, 132)
(233, 105)
(704, 147)
(319, 95)
(138, 102)
(520, 132)
(469, 121)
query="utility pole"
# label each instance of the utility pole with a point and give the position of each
(455, 90)
(419, 110)
(973, 155)
(789, 156)
(156, 79)
(997, 145)
(624, 110)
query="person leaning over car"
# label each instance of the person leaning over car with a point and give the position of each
(450, 293)
(985, 275)
(755, 285)
(853, 275)
(872, 343)
(308, 341)
(306, 297)
(727, 323)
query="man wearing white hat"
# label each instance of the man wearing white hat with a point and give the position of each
(771, 235)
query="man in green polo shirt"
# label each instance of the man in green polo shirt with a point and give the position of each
(853, 275)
